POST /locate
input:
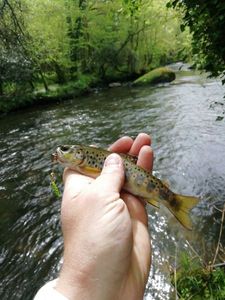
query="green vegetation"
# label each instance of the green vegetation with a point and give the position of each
(206, 21)
(192, 281)
(60, 48)
(51, 49)
(158, 75)
(196, 279)
(54, 187)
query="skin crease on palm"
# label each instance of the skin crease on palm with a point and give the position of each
(107, 253)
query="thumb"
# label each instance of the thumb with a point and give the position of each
(112, 176)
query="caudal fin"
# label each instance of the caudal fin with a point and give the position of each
(180, 208)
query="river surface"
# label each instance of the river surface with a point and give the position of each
(189, 146)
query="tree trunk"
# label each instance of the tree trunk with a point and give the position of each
(1, 88)
(59, 73)
(76, 34)
(32, 85)
(43, 80)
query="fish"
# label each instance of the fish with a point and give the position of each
(88, 160)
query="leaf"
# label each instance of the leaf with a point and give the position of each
(54, 187)
(182, 27)
(219, 118)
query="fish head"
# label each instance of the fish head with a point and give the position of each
(70, 155)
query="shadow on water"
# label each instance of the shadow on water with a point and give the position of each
(189, 153)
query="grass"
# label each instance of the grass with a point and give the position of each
(194, 280)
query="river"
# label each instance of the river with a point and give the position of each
(185, 120)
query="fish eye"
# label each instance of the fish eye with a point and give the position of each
(64, 148)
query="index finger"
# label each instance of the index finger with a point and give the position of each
(122, 145)
(143, 139)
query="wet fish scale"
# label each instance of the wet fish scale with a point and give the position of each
(89, 161)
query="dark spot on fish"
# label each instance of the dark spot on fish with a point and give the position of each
(164, 194)
(139, 179)
(174, 203)
(150, 186)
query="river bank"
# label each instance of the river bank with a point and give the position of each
(55, 93)
(85, 85)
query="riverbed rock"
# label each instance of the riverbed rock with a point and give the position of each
(159, 75)
(114, 84)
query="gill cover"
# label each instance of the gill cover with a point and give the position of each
(71, 154)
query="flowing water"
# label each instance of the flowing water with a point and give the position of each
(189, 144)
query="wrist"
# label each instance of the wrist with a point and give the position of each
(75, 283)
(86, 283)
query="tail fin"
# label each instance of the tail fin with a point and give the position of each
(181, 207)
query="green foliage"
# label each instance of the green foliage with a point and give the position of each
(16, 67)
(206, 20)
(60, 42)
(195, 282)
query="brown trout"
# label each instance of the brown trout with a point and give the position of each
(89, 161)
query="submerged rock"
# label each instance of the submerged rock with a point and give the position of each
(115, 84)
(159, 75)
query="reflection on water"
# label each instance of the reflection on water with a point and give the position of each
(189, 152)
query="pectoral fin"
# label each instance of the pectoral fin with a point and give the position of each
(166, 183)
(92, 172)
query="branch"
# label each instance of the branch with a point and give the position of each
(220, 234)
(218, 265)
(14, 17)
(130, 35)
(2, 8)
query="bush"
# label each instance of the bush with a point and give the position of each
(193, 281)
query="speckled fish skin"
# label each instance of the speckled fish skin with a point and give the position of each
(89, 161)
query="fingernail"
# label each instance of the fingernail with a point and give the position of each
(112, 159)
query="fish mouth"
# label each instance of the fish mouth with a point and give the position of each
(54, 157)
(57, 156)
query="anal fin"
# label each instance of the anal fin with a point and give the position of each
(154, 202)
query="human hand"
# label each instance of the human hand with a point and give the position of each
(106, 241)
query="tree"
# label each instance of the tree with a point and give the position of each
(15, 64)
(206, 20)
(84, 41)
(48, 43)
